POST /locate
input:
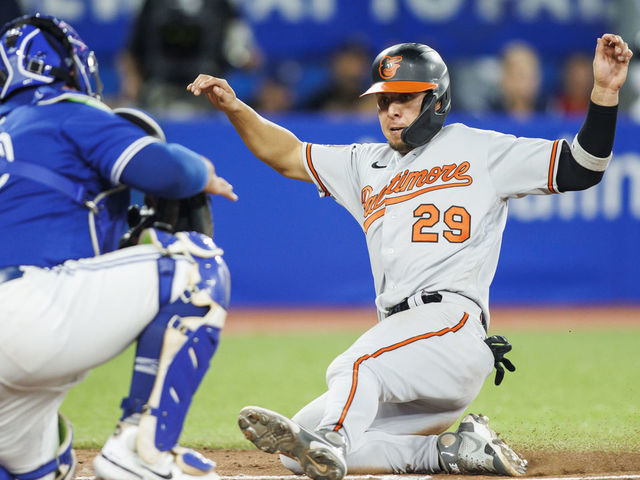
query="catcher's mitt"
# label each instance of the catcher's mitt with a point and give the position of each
(172, 215)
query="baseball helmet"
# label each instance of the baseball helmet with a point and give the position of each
(39, 50)
(414, 67)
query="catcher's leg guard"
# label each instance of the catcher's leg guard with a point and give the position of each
(64, 464)
(174, 351)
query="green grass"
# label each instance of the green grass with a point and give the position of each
(575, 390)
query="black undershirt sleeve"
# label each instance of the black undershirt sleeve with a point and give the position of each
(573, 176)
(595, 137)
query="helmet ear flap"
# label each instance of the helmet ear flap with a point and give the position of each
(430, 120)
(445, 102)
(421, 130)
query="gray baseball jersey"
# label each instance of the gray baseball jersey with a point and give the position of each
(434, 217)
(433, 220)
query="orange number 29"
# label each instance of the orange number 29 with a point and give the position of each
(456, 218)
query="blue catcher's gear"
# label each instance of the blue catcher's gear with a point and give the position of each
(64, 464)
(39, 50)
(174, 350)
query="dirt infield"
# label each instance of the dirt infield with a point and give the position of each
(250, 463)
(253, 463)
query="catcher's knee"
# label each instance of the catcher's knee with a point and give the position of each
(174, 351)
(61, 467)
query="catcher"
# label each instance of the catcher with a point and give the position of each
(71, 300)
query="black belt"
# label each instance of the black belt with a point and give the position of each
(10, 273)
(404, 305)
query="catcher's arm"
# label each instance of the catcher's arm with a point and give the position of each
(175, 197)
(271, 143)
(178, 171)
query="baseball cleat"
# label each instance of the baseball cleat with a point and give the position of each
(321, 455)
(119, 460)
(475, 448)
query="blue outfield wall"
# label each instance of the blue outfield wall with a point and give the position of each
(285, 246)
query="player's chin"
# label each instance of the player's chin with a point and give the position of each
(399, 146)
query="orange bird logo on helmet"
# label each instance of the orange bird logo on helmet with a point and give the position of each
(388, 66)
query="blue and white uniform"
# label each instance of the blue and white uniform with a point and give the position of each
(70, 300)
(75, 136)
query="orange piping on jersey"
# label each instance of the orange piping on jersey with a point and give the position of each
(313, 171)
(372, 218)
(390, 348)
(552, 165)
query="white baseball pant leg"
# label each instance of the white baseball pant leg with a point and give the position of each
(400, 384)
(59, 323)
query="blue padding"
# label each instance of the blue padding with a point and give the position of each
(216, 280)
(182, 380)
(166, 269)
(66, 458)
(183, 377)
(4, 475)
(150, 343)
(197, 461)
(148, 354)
(214, 273)
(41, 471)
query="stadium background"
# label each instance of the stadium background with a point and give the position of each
(285, 247)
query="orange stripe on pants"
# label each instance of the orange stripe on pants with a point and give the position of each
(390, 348)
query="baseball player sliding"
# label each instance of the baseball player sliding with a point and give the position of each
(69, 299)
(433, 204)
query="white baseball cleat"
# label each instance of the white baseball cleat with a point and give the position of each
(320, 454)
(119, 460)
(475, 448)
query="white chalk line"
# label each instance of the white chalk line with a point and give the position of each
(407, 477)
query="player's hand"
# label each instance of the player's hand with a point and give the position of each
(500, 346)
(610, 68)
(217, 185)
(217, 91)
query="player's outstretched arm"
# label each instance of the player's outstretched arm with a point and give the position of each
(583, 164)
(610, 67)
(271, 143)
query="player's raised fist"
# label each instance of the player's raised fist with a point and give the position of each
(615, 48)
(610, 68)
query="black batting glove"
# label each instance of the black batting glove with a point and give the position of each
(500, 346)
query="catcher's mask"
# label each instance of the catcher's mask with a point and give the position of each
(411, 68)
(39, 50)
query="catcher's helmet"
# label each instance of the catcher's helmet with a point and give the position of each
(38, 50)
(414, 67)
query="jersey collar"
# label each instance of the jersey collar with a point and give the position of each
(21, 97)
(31, 96)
